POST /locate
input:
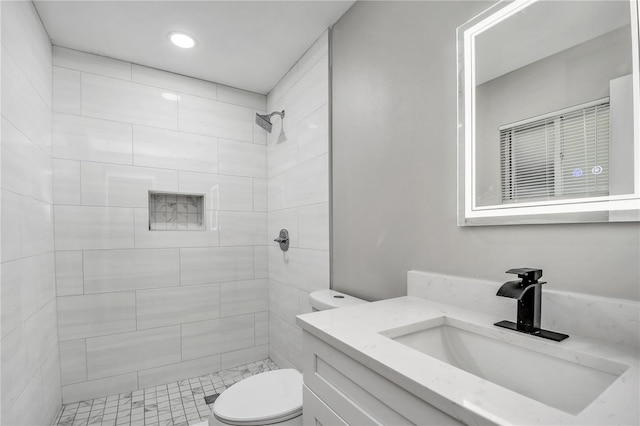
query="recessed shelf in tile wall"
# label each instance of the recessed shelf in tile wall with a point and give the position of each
(176, 212)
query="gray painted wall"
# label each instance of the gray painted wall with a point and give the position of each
(394, 169)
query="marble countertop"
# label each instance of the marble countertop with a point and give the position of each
(358, 331)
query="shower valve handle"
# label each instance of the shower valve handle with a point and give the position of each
(283, 240)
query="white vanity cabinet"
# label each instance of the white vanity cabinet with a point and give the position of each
(339, 390)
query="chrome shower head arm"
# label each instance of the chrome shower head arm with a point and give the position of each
(280, 113)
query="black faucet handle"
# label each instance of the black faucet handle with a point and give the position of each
(528, 275)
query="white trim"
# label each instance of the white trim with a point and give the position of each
(581, 207)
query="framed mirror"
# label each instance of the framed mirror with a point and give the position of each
(549, 113)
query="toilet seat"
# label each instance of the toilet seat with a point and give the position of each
(266, 398)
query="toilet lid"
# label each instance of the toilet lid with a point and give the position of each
(266, 396)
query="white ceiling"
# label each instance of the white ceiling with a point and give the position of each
(245, 44)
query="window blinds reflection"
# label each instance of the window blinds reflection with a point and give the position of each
(564, 154)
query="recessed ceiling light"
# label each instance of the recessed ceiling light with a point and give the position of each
(170, 96)
(182, 40)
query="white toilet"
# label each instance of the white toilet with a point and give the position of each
(274, 397)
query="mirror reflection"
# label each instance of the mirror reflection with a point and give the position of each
(553, 104)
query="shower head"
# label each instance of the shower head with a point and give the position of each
(264, 121)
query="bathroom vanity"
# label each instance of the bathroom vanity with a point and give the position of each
(417, 360)
(339, 390)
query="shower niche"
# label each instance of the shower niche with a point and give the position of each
(176, 212)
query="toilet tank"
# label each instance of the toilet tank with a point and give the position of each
(329, 299)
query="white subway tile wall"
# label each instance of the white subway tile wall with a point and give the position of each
(94, 302)
(298, 199)
(205, 338)
(174, 150)
(139, 307)
(90, 139)
(30, 362)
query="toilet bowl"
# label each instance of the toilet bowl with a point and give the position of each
(273, 397)
(268, 398)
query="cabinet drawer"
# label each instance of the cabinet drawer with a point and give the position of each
(359, 395)
(316, 412)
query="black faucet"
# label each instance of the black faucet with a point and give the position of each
(528, 291)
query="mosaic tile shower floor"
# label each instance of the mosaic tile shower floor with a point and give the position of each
(174, 404)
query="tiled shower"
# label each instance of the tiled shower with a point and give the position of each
(140, 306)
(95, 300)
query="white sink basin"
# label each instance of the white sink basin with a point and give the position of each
(540, 370)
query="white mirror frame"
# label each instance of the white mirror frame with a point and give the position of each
(621, 208)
